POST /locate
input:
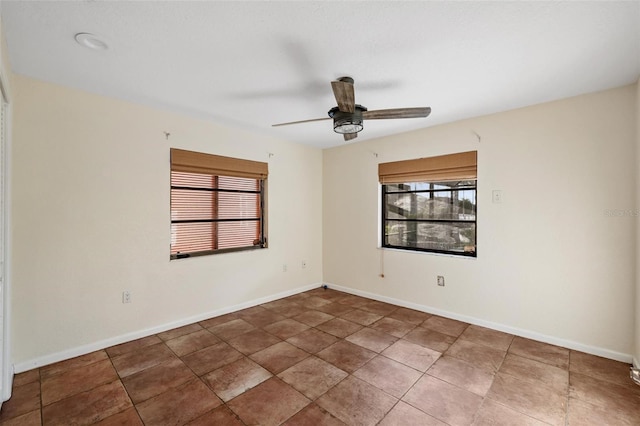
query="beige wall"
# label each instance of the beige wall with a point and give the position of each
(551, 264)
(91, 219)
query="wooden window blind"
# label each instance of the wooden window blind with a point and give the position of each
(196, 162)
(217, 204)
(460, 166)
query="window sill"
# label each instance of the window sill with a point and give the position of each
(213, 252)
(432, 253)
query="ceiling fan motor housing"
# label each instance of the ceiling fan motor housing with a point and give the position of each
(347, 122)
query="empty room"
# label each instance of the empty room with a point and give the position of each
(319, 213)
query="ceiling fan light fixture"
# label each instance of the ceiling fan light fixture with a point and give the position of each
(347, 122)
(347, 126)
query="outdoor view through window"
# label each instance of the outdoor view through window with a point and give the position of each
(430, 216)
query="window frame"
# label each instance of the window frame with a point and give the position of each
(442, 169)
(384, 218)
(208, 165)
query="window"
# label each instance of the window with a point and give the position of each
(217, 204)
(429, 204)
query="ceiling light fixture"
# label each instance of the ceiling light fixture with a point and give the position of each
(347, 122)
(91, 41)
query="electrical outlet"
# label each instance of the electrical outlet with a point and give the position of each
(440, 280)
(304, 264)
(496, 196)
(126, 297)
(284, 267)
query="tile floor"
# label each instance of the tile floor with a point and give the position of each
(328, 358)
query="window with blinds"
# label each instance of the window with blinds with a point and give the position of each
(217, 204)
(429, 204)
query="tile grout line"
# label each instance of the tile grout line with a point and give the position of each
(41, 404)
(123, 386)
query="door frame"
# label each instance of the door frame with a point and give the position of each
(6, 367)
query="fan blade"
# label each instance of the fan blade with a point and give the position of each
(301, 121)
(396, 113)
(345, 94)
(349, 136)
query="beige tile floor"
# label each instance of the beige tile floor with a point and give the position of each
(328, 358)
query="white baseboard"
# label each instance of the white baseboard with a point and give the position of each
(569, 344)
(103, 344)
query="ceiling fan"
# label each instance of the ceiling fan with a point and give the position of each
(348, 116)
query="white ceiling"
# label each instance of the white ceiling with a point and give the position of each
(253, 64)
